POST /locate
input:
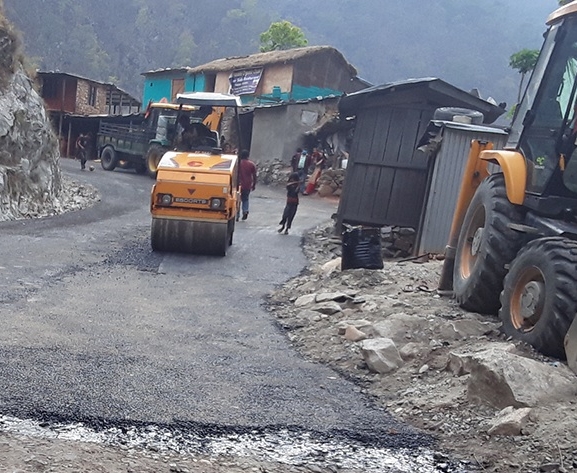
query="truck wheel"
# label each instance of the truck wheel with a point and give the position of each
(539, 298)
(153, 157)
(108, 158)
(486, 244)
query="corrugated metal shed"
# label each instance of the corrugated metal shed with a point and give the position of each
(448, 164)
(387, 178)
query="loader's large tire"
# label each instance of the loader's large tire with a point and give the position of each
(108, 158)
(486, 245)
(153, 156)
(539, 298)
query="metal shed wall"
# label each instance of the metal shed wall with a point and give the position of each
(387, 168)
(447, 173)
(387, 178)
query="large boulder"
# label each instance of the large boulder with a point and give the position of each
(500, 378)
(381, 355)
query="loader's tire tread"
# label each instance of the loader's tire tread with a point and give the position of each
(480, 290)
(556, 258)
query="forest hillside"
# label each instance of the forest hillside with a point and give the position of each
(465, 42)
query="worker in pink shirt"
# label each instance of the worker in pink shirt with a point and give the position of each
(247, 178)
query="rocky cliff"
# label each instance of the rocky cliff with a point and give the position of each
(30, 178)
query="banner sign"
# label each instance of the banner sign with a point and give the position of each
(245, 82)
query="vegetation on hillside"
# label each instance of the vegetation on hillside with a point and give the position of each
(466, 43)
(282, 35)
(9, 50)
(524, 62)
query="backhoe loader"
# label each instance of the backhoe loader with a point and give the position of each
(512, 248)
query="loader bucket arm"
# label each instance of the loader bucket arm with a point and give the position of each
(475, 172)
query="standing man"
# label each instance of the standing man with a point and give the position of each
(81, 150)
(295, 159)
(303, 163)
(247, 178)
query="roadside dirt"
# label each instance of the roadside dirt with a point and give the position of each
(23, 454)
(423, 392)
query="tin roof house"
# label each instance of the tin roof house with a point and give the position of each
(73, 102)
(274, 76)
(285, 93)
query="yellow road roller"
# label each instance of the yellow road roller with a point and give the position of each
(195, 199)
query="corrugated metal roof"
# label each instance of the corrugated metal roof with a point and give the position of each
(440, 89)
(76, 76)
(469, 127)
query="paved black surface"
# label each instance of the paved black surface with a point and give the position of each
(97, 328)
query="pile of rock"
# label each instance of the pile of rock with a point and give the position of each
(397, 241)
(331, 182)
(493, 402)
(276, 172)
(273, 172)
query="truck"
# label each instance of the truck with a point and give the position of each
(195, 200)
(512, 247)
(139, 141)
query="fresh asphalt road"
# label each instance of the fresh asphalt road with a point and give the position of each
(97, 328)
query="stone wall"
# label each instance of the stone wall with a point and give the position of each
(276, 173)
(30, 178)
(83, 94)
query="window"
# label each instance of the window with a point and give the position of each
(92, 96)
(49, 88)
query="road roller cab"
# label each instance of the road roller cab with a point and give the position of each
(513, 243)
(194, 201)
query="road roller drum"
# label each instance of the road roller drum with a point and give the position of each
(189, 236)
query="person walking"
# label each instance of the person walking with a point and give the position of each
(81, 150)
(247, 178)
(292, 203)
(318, 160)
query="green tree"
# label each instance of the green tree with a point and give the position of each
(185, 50)
(524, 61)
(282, 35)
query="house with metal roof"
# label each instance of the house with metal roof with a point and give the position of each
(270, 77)
(73, 102)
